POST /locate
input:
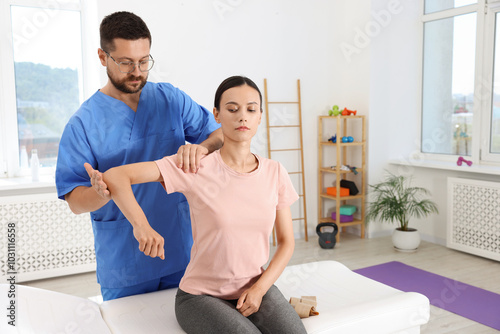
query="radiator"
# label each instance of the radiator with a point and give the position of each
(40, 237)
(473, 222)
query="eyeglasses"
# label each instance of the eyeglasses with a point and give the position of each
(129, 66)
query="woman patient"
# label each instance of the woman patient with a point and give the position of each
(236, 198)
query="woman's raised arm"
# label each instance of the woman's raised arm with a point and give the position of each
(119, 181)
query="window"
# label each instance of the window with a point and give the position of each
(461, 79)
(448, 85)
(494, 139)
(432, 6)
(43, 82)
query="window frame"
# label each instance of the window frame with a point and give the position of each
(486, 89)
(89, 78)
(445, 14)
(483, 79)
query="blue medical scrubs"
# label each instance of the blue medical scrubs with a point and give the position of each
(106, 133)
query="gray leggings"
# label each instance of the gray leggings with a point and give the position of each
(207, 314)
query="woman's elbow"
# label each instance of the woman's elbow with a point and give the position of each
(112, 177)
(287, 242)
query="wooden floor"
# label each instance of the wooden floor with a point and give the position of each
(357, 253)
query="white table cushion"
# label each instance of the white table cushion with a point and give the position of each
(147, 313)
(351, 303)
(347, 303)
(47, 312)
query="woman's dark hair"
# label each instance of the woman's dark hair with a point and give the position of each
(124, 25)
(234, 81)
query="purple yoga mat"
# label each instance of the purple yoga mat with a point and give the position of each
(465, 300)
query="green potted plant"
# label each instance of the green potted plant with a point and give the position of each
(396, 201)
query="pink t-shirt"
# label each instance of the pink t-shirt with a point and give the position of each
(232, 217)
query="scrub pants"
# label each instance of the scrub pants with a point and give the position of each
(206, 314)
(163, 283)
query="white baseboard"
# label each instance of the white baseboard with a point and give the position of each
(423, 236)
(380, 234)
(433, 239)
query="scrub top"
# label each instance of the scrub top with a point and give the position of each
(105, 132)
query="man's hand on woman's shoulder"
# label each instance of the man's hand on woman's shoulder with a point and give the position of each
(189, 157)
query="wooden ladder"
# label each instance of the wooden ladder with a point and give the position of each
(270, 150)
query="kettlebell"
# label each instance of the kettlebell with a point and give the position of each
(327, 233)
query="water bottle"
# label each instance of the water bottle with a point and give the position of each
(35, 165)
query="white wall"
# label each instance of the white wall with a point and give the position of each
(395, 91)
(394, 125)
(361, 54)
(197, 44)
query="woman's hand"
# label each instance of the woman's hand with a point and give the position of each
(189, 157)
(119, 181)
(150, 242)
(97, 181)
(250, 300)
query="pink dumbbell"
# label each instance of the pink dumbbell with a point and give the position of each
(461, 159)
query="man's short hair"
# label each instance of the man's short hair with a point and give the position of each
(123, 25)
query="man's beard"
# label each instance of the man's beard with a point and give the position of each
(121, 85)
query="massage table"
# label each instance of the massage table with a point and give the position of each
(346, 301)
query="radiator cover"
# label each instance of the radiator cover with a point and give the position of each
(474, 217)
(49, 239)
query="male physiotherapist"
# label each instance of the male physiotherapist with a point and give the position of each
(131, 120)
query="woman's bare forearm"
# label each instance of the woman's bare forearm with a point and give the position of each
(120, 180)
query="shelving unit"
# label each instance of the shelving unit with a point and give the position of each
(342, 126)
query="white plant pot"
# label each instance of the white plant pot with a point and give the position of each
(406, 241)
